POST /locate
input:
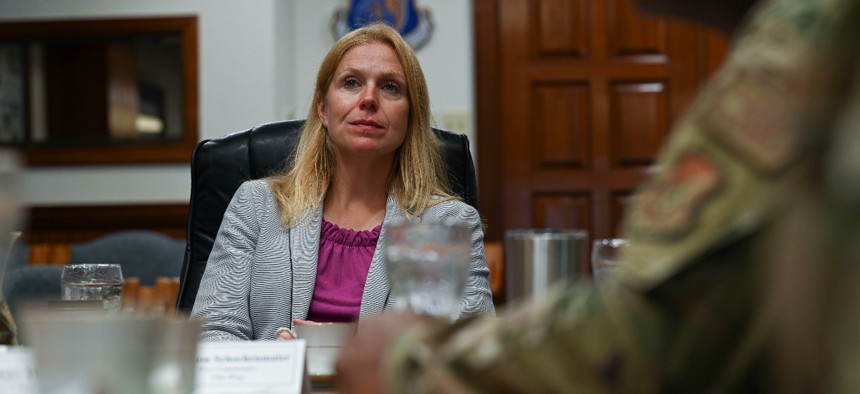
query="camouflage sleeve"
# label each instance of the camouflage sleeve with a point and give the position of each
(595, 339)
(7, 326)
(683, 314)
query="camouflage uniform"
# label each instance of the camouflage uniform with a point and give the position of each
(7, 326)
(741, 249)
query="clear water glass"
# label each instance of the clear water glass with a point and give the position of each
(93, 282)
(428, 265)
(606, 256)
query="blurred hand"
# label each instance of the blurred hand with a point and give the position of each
(285, 334)
(359, 366)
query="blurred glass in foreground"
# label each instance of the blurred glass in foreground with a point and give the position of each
(79, 351)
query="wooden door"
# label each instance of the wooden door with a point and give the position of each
(574, 98)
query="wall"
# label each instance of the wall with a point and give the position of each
(257, 60)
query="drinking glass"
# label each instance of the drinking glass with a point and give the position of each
(93, 282)
(428, 263)
(606, 256)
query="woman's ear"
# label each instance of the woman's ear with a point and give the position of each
(321, 112)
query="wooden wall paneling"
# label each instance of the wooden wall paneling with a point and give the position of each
(683, 69)
(488, 122)
(516, 34)
(70, 224)
(714, 47)
(620, 201)
(495, 251)
(50, 253)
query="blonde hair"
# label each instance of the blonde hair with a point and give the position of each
(418, 172)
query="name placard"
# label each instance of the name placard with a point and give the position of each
(250, 367)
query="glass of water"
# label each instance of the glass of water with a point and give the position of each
(606, 256)
(93, 282)
(428, 265)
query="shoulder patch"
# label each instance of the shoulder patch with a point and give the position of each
(668, 205)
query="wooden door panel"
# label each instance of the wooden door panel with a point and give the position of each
(639, 120)
(714, 48)
(562, 127)
(562, 28)
(563, 211)
(620, 202)
(628, 33)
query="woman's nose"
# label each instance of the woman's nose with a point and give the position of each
(368, 100)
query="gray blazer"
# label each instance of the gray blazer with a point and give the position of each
(260, 275)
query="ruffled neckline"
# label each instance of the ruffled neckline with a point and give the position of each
(343, 236)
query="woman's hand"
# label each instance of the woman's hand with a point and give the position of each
(286, 334)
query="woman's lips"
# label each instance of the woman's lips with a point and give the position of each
(367, 124)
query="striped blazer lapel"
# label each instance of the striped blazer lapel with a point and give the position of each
(376, 288)
(304, 255)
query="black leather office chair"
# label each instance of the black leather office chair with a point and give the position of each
(219, 166)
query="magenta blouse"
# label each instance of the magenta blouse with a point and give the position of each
(344, 260)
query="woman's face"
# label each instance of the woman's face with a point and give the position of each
(366, 107)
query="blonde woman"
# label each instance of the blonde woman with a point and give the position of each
(303, 245)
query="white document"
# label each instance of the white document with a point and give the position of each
(250, 367)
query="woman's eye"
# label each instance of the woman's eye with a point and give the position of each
(391, 87)
(350, 83)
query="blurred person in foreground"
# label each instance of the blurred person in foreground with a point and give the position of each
(10, 218)
(7, 325)
(303, 246)
(742, 269)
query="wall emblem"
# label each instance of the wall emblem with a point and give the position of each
(414, 24)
